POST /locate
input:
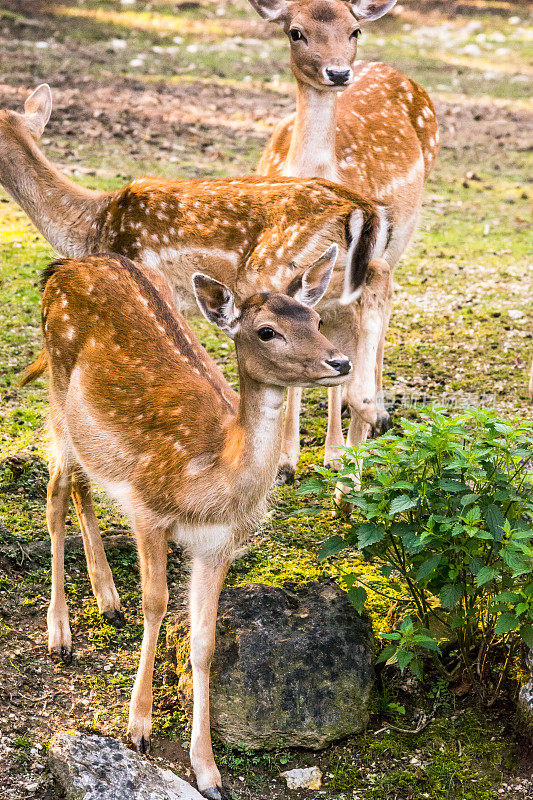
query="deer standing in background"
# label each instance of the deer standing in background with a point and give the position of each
(137, 405)
(360, 124)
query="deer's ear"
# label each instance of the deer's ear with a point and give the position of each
(272, 10)
(310, 287)
(216, 302)
(369, 10)
(37, 110)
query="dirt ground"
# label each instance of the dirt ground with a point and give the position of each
(126, 109)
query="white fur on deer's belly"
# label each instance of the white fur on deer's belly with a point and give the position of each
(205, 540)
(98, 450)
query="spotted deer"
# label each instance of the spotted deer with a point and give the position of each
(138, 406)
(360, 124)
(253, 234)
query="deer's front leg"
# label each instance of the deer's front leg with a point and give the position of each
(59, 636)
(100, 574)
(334, 435)
(290, 442)
(152, 547)
(370, 316)
(381, 351)
(206, 583)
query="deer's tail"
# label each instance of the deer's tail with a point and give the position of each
(36, 369)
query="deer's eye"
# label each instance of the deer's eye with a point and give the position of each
(266, 334)
(356, 33)
(297, 35)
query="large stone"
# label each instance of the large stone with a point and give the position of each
(100, 768)
(525, 701)
(291, 667)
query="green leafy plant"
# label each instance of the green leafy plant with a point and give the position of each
(446, 506)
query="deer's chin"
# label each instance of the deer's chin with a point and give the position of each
(333, 87)
(318, 83)
(331, 380)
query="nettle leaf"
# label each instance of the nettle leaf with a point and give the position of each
(428, 567)
(359, 502)
(473, 515)
(428, 642)
(386, 570)
(416, 668)
(495, 520)
(412, 541)
(369, 533)
(357, 596)
(475, 565)
(407, 625)
(332, 546)
(312, 486)
(393, 635)
(526, 632)
(452, 486)
(518, 563)
(404, 659)
(402, 503)
(450, 595)
(506, 622)
(507, 597)
(485, 575)
(467, 499)
(387, 653)
(401, 485)
(485, 535)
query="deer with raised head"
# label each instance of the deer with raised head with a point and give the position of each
(360, 124)
(137, 405)
(253, 234)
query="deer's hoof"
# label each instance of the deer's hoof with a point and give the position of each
(142, 745)
(285, 475)
(115, 617)
(62, 653)
(383, 424)
(216, 793)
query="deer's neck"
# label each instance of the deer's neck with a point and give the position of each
(312, 149)
(61, 210)
(259, 424)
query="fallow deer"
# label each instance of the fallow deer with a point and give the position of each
(254, 234)
(137, 405)
(360, 124)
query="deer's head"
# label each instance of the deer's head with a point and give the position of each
(323, 35)
(277, 337)
(15, 127)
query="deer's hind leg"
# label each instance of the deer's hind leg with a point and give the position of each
(57, 499)
(100, 574)
(152, 544)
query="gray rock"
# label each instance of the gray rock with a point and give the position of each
(291, 667)
(525, 701)
(305, 778)
(101, 768)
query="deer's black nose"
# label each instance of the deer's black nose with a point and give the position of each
(343, 367)
(338, 77)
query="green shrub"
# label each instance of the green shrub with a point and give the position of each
(447, 506)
